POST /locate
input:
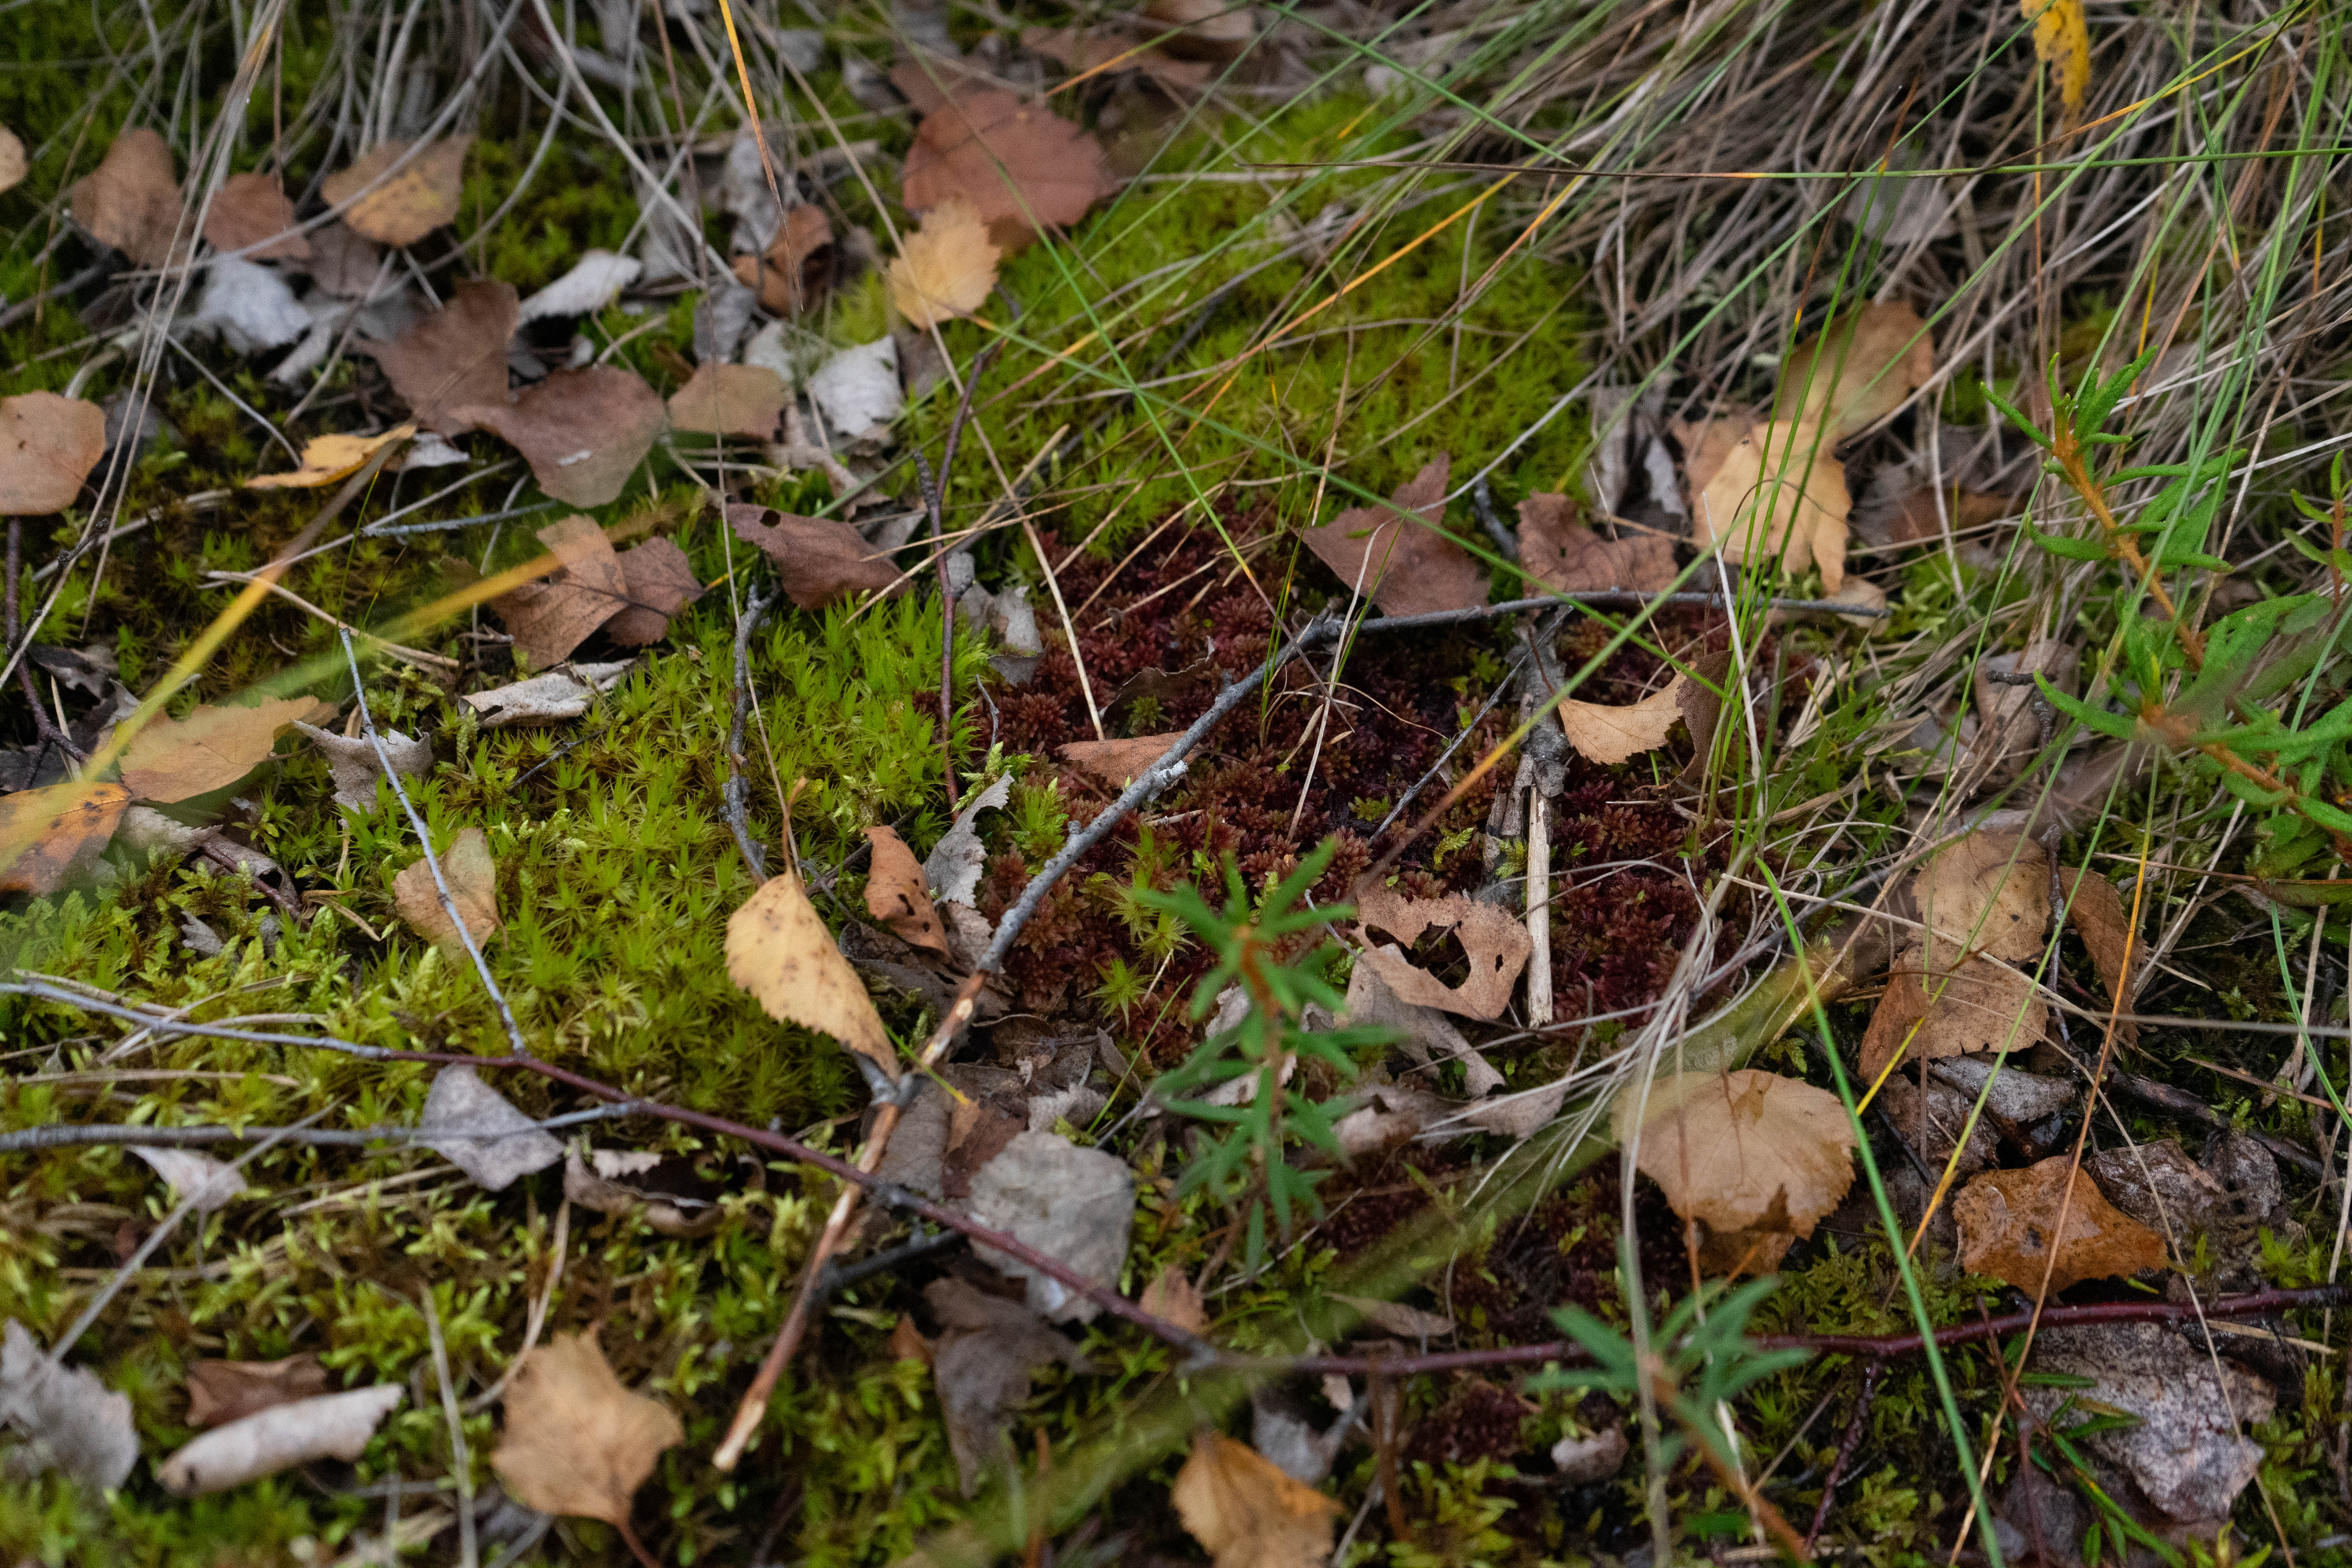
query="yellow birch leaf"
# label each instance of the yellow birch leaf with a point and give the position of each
(328, 459)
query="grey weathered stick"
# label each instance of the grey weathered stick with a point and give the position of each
(70, 1135)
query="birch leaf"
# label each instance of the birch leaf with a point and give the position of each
(779, 951)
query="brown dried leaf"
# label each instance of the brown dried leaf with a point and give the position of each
(2096, 912)
(343, 264)
(818, 558)
(1561, 552)
(946, 268)
(1172, 1298)
(729, 400)
(249, 208)
(659, 581)
(328, 458)
(1240, 1507)
(1750, 1155)
(779, 951)
(934, 80)
(1117, 762)
(576, 1441)
(1918, 519)
(1858, 372)
(1496, 941)
(454, 358)
(550, 617)
(1201, 29)
(53, 836)
(906, 1342)
(796, 268)
(11, 159)
(613, 1186)
(177, 759)
(49, 445)
(986, 1356)
(1020, 166)
(1406, 563)
(1767, 492)
(1989, 894)
(1092, 53)
(353, 765)
(225, 1391)
(2006, 1219)
(896, 894)
(131, 201)
(410, 204)
(1974, 1006)
(1608, 734)
(2007, 732)
(473, 878)
(583, 431)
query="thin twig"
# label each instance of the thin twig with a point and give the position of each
(1847, 1447)
(63, 1135)
(735, 798)
(461, 1460)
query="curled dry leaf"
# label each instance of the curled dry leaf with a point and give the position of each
(986, 1356)
(1076, 1206)
(595, 281)
(1495, 941)
(220, 1392)
(248, 209)
(1769, 492)
(551, 699)
(1856, 372)
(659, 581)
(194, 1177)
(1755, 1158)
(328, 458)
(454, 358)
(2096, 912)
(779, 951)
(946, 268)
(2007, 1218)
(473, 878)
(1609, 734)
(1561, 552)
(131, 201)
(69, 1420)
(479, 1130)
(353, 762)
(953, 867)
(49, 445)
(11, 159)
(604, 1182)
(1116, 763)
(53, 836)
(1247, 1512)
(745, 400)
(173, 759)
(817, 559)
(401, 209)
(330, 1426)
(2007, 732)
(1404, 561)
(793, 272)
(576, 1441)
(1022, 166)
(584, 432)
(552, 616)
(896, 896)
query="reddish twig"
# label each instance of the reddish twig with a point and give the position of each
(1846, 1449)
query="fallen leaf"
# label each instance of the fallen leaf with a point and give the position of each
(946, 268)
(1561, 552)
(1981, 897)
(454, 358)
(194, 1177)
(953, 867)
(818, 558)
(1402, 560)
(49, 445)
(1495, 941)
(251, 306)
(1172, 1298)
(220, 1392)
(479, 1130)
(1986, 892)
(583, 431)
(1396, 1318)
(344, 264)
(173, 759)
(330, 1426)
(658, 581)
(858, 388)
(2061, 40)
(1424, 1034)
(2007, 1218)
(131, 201)
(1240, 1507)
(1091, 54)
(69, 1421)
(595, 281)
(2096, 912)
(1917, 517)
(11, 159)
(1594, 1457)
(1201, 29)
(248, 209)
(576, 1441)
(551, 699)
(1117, 762)
(906, 1342)
(793, 273)
(896, 896)
(1755, 1158)
(1860, 370)
(473, 878)
(729, 400)
(1076, 1206)
(53, 836)
(407, 206)
(604, 1182)
(328, 458)
(988, 1351)
(353, 765)
(552, 616)
(2161, 1187)
(934, 78)
(1609, 734)
(1767, 492)
(779, 951)
(1020, 166)
(1972, 1006)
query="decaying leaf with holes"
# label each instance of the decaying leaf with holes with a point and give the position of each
(52, 837)
(473, 878)
(1247, 1512)
(1495, 941)
(49, 445)
(779, 951)
(895, 895)
(2007, 1220)
(173, 759)
(576, 1441)
(403, 207)
(1767, 492)
(1399, 555)
(1753, 1158)
(818, 558)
